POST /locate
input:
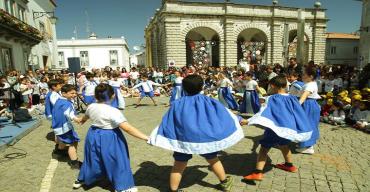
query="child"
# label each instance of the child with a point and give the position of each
(197, 124)
(118, 101)
(177, 91)
(52, 96)
(285, 121)
(250, 102)
(106, 151)
(63, 116)
(312, 109)
(337, 116)
(146, 89)
(295, 85)
(26, 88)
(89, 88)
(224, 92)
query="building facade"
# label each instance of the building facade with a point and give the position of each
(27, 34)
(365, 34)
(225, 34)
(138, 59)
(342, 49)
(95, 52)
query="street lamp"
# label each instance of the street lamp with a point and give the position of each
(52, 19)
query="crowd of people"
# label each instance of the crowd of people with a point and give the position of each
(305, 95)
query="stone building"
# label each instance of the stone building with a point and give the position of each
(365, 34)
(225, 34)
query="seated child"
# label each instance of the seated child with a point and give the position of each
(362, 116)
(337, 116)
(63, 116)
(279, 132)
(197, 124)
(106, 151)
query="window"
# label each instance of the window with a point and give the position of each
(113, 57)
(22, 13)
(9, 6)
(333, 50)
(84, 58)
(355, 50)
(61, 59)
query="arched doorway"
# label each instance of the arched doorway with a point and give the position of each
(252, 46)
(293, 45)
(202, 47)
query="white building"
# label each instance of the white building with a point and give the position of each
(365, 34)
(94, 52)
(27, 34)
(138, 59)
(342, 49)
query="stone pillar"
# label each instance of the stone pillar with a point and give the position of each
(276, 43)
(320, 43)
(175, 47)
(229, 52)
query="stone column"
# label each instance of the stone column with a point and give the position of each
(175, 46)
(320, 43)
(229, 52)
(276, 43)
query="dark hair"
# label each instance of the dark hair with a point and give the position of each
(293, 73)
(144, 76)
(338, 104)
(103, 92)
(311, 71)
(53, 83)
(67, 88)
(249, 74)
(192, 84)
(89, 75)
(279, 81)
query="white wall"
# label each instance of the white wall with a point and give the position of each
(98, 56)
(345, 54)
(365, 35)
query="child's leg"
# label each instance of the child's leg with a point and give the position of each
(261, 159)
(138, 101)
(152, 98)
(72, 151)
(286, 153)
(176, 174)
(217, 168)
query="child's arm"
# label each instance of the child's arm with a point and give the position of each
(304, 96)
(84, 119)
(133, 131)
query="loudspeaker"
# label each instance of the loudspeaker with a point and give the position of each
(74, 65)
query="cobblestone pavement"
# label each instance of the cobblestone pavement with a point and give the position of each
(341, 162)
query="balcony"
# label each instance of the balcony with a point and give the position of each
(13, 28)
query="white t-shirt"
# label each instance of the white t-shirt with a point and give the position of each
(147, 86)
(134, 74)
(97, 112)
(90, 88)
(271, 75)
(313, 89)
(338, 82)
(225, 82)
(329, 86)
(178, 80)
(115, 83)
(250, 85)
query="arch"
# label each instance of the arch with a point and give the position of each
(252, 44)
(307, 30)
(292, 45)
(202, 47)
(260, 27)
(217, 28)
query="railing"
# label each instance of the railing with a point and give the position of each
(14, 23)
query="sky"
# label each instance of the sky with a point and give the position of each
(128, 18)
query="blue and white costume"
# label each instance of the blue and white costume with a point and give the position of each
(282, 116)
(296, 88)
(89, 91)
(118, 100)
(197, 125)
(251, 103)
(106, 152)
(177, 91)
(50, 100)
(63, 115)
(312, 109)
(146, 88)
(225, 94)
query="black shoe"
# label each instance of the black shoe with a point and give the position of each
(75, 164)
